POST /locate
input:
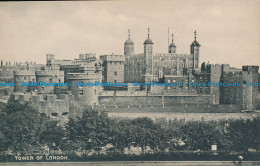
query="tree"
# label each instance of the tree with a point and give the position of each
(241, 134)
(121, 135)
(51, 135)
(200, 135)
(145, 133)
(90, 132)
(20, 128)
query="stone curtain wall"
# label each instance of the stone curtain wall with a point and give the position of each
(152, 100)
(180, 108)
(185, 117)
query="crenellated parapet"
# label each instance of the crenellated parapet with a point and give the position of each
(48, 104)
(113, 58)
(172, 55)
(250, 68)
(49, 73)
(82, 76)
(88, 56)
(24, 73)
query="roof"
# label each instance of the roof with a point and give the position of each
(148, 41)
(172, 45)
(129, 41)
(195, 43)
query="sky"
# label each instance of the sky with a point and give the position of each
(227, 30)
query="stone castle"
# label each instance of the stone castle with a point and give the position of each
(170, 67)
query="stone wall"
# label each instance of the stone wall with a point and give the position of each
(185, 117)
(153, 100)
(48, 104)
(180, 108)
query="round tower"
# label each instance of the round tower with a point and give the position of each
(148, 53)
(195, 50)
(128, 51)
(23, 76)
(128, 46)
(48, 76)
(83, 87)
(172, 47)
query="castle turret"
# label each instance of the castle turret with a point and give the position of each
(128, 51)
(172, 47)
(48, 76)
(49, 58)
(21, 77)
(194, 49)
(113, 68)
(148, 53)
(128, 46)
(83, 87)
(250, 76)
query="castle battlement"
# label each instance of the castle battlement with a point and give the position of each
(51, 68)
(214, 65)
(44, 73)
(82, 76)
(87, 56)
(24, 73)
(250, 68)
(36, 97)
(233, 74)
(109, 58)
(173, 54)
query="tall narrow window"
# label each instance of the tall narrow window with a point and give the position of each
(80, 92)
(115, 73)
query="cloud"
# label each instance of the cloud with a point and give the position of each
(227, 30)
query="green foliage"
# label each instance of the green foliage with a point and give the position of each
(140, 132)
(51, 134)
(147, 134)
(241, 135)
(200, 135)
(122, 135)
(90, 132)
(20, 127)
(23, 130)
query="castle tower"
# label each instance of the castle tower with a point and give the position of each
(128, 51)
(83, 87)
(48, 76)
(195, 50)
(49, 57)
(20, 76)
(113, 68)
(148, 53)
(129, 46)
(250, 75)
(172, 47)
